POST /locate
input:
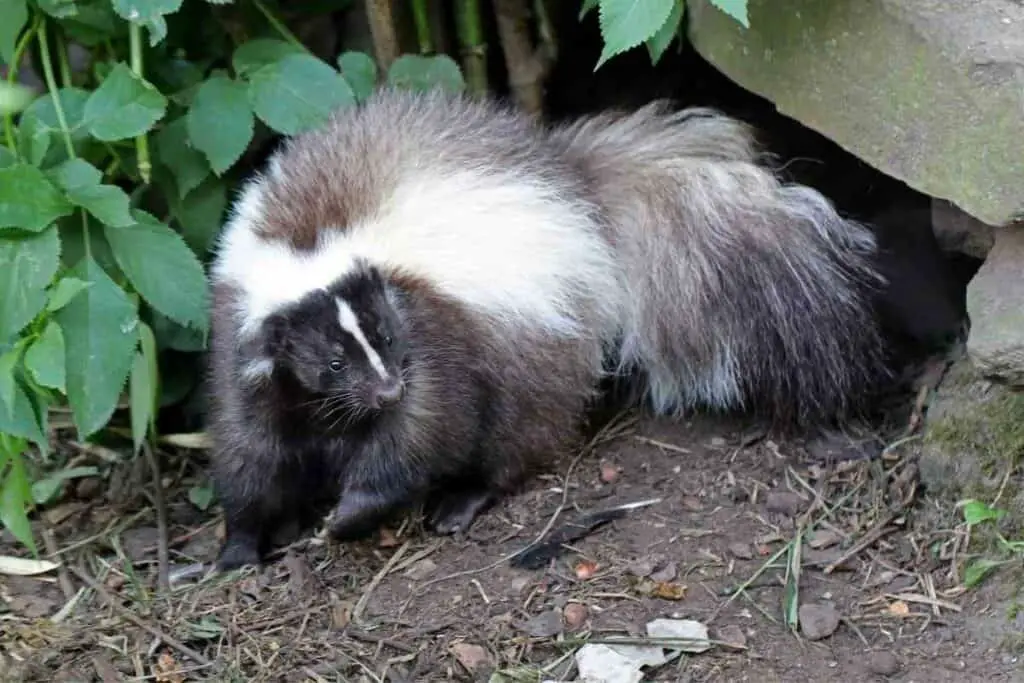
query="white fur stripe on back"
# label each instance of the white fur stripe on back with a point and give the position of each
(348, 321)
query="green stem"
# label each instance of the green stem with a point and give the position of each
(51, 86)
(470, 30)
(278, 25)
(65, 63)
(421, 17)
(142, 141)
(12, 76)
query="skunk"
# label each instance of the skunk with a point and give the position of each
(418, 300)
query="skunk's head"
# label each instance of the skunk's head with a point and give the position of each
(345, 346)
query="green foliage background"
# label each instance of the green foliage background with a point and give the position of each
(115, 180)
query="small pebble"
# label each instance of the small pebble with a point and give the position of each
(742, 551)
(883, 663)
(575, 615)
(473, 657)
(543, 625)
(784, 502)
(718, 442)
(666, 573)
(733, 635)
(818, 620)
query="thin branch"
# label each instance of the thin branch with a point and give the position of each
(527, 66)
(380, 16)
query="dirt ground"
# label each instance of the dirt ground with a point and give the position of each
(875, 580)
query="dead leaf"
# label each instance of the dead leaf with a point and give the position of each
(575, 615)
(585, 569)
(473, 657)
(666, 573)
(899, 608)
(105, 670)
(609, 473)
(166, 670)
(387, 538)
(20, 566)
(341, 614)
(666, 590)
(823, 538)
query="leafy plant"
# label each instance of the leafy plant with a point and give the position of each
(113, 183)
(116, 174)
(976, 512)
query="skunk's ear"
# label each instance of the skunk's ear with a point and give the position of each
(276, 337)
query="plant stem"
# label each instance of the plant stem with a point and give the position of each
(420, 15)
(65, 63)
(12, 76)
(382, 32)
(474, 50)
(142, 141)
(278, 25)
(51, 86)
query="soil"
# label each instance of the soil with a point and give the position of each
(409, 606)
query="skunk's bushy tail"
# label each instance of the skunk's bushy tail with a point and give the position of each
(742, 292)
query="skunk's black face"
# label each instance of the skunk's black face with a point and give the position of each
(345, 346)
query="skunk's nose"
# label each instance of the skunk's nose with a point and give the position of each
(389, 393)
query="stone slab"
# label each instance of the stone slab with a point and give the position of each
(928, 91)
(995, 303)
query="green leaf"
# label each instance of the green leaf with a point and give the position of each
(58, 9)
(737, 9)
(13, 17)
(14, 97)
(8, 365)
(27, 265)
(201, 496)
(148, 13)
(82, 183)
(39, 133)
(976, 512)
(220, 121)
(585, 8)
(15, 496)
(978, 569)
(259, 52)
(297, 92)
(94, 23)
(360, 71)
(142, 385)
(124, 106)
(200, 214)
(7, 157)
(419, 72)
(163, 269)
(63, 292)
(28, 200)
(45, 358)
(659, 42)
(627, 23)
(20, 418)
(100, 328)
(188, 166)
(43, 490)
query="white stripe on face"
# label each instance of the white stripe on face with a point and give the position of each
(348, 321)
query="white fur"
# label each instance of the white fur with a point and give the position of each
(503, 245)
(348, 321)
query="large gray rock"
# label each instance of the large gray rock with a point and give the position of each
(928, 91)
(995, 302)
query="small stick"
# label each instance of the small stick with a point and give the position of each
(62, 572)
(385, 570)
(379, 640)
(382, 32)
(162, 554)
(875, 533)
(127, 614)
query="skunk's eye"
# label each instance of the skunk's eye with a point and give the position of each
(335, 366)
(388, 340)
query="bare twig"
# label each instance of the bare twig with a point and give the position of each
(357, 611)
(62, 572)
(381, 18)
(95, 585)
(527, 66)
(162, 555)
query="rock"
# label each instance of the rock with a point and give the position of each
(883, 663)
(543, 625)
(666, 573)
(959, 231)
(733, 635)
(818, 620)
(741, 551)
(783, 503)
(927, 92)
(972, 429)
(575, 615)
(994, 303)
(473, 657)
(421, 569)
